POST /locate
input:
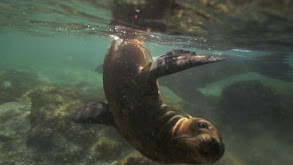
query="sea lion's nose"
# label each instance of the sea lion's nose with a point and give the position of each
(212, 149)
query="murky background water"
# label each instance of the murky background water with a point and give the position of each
(49, 50)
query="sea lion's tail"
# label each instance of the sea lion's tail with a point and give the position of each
(178, 60)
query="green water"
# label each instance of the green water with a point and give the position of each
(48, 54)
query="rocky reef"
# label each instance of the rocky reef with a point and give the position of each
(14, 128)
(107, 149)
(36, 128)
(14, 83)
(53, 136)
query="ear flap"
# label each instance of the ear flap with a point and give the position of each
(188, 116)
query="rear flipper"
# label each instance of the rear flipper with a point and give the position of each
(178, 60)
(94, 113)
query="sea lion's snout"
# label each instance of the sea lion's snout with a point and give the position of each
(211, 145)
(211, 148)
(200, 139)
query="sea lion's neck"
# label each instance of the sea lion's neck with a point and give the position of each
(169, 123)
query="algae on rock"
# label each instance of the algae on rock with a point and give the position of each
(14, 128)
(106, 149)
(53, 135)
(135, 158)
(15, 83)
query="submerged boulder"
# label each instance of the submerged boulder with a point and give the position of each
(248, 101)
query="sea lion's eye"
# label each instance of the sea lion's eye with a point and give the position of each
(201, 125)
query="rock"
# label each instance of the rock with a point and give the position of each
(5, 136)
(249, 101)
(135, 158)
(14, 128)
(53, 136)
(107, 149)
(14, 83)
(255, 120)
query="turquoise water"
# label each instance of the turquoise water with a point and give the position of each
(49, 51)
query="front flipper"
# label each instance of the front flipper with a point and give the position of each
(99, 69)
(94, 113)
(178, 60)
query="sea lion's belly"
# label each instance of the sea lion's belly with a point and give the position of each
(131, 98)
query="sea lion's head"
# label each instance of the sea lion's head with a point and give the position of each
(198, 141)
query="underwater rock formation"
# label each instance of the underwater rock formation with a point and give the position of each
(53, 136)
(14, 83)
(135, 158)
(38, 128)
(249, 101)
(255, 117)
(107, 149)
(13, 132)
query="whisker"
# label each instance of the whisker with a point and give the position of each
(180, 139)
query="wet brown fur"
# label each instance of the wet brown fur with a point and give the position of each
(140, 115)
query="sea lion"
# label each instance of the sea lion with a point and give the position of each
(136, 109)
